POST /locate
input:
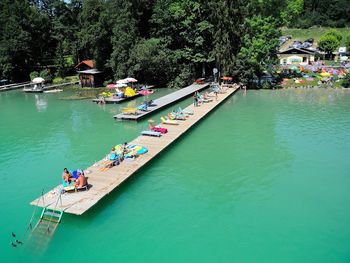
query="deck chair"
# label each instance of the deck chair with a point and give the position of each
(188, 112)
(156, 128)
(174, 116)
(169, 122)
(151, 133)
(132, 111)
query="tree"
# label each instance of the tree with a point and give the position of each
(151, 61)
(259, 48)
(191, 37)
(17, 46)
(228, 19)
(292, 11)
(335, 33)
(95, 33)
(328, 44)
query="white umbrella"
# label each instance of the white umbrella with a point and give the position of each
(38, 80)
(122, 81)
(120, 85)
(131, 79)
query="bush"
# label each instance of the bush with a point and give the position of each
(45, 74)
(57, 80)
(33, 75)
(346, 81)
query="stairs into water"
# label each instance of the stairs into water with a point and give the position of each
(43, 231)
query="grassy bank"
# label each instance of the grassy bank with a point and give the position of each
(314, 32)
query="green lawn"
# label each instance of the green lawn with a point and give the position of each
(314, 32)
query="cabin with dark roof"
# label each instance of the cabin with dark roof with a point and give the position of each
(297, 56)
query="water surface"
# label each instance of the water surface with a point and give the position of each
(264, 178)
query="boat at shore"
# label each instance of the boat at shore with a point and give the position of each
(34, 89)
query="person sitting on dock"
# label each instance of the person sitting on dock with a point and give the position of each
(67, 176)
(81, 181)
(128, 153)
(114, 157)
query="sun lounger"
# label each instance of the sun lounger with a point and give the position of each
(169, 122)
(175, 116)
(207, 100)
(151, 133)
(130, 111)
(156, 128)
(188, 112)
(143, 107)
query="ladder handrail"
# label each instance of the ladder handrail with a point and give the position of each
(59, 198)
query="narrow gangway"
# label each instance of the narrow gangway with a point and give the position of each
(104, 182)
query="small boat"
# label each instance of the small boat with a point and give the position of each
(53, 91)
(34, 90)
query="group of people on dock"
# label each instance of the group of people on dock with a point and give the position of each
(118, 153)
(121, 152)
(75, 178)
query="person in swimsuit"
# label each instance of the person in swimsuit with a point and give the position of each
(81, 181)
(67, 176)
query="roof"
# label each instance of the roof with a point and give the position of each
(90, 71)
(295, 50)
(88, 62)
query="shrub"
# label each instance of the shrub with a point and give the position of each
(57, 80)
(346, 81)
(33, 75)
(45, 74)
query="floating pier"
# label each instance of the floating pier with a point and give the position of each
(103, 182)
(163, 101)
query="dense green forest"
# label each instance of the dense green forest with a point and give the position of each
(157, 41)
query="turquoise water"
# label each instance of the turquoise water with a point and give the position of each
(264, 178)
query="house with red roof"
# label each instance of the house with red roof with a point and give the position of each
(88, 75)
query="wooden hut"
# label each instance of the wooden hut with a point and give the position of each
(91, 78)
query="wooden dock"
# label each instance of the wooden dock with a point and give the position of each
(163, 102)
(14, 86)
(104, 182)
(116, 100)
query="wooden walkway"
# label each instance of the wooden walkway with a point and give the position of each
(102, 183)
(14, 86)
(164, 101)
(116, 100)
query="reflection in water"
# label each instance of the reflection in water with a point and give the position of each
(40, 102)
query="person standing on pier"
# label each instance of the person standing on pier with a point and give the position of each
(195, 99)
